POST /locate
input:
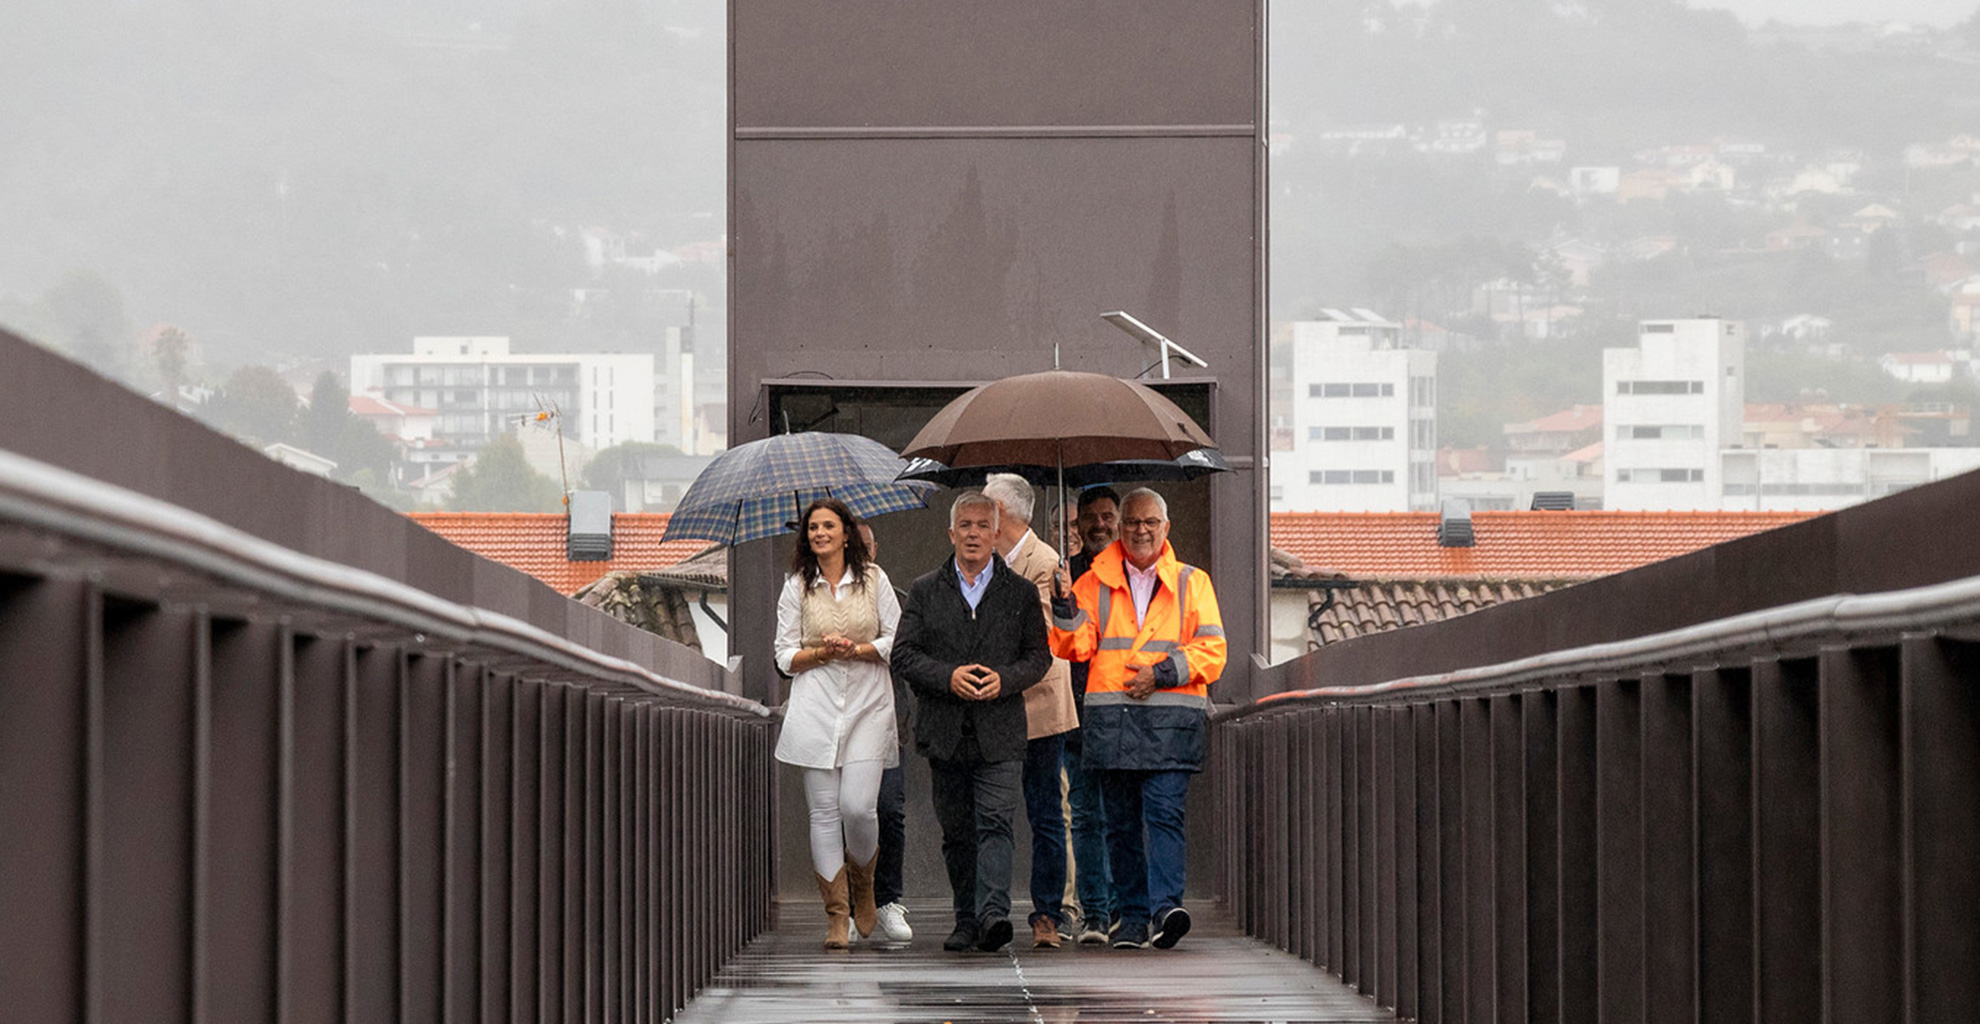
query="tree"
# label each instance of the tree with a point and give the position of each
(169, 353)
(501, 480)
(85, 314)
(329, 409)
(610, 468)
(256, 404)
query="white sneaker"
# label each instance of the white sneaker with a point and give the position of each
(893, 923)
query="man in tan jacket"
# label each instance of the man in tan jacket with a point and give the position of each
(1048, 711)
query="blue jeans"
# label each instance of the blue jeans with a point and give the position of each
(1043, 807)
(1089, 837)
(893, 838)
(976, 803)
(1145, 842)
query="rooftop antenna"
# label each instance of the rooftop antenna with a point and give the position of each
(548, 414)
(1151, 337)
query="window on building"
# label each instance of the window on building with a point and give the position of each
(1423, 433)
(1660, 387)
(1659, 476)
(1659, 328)
(1361, 389)
(1423, 477)
(1423, 391)
(1342, 477)
(1660, 432)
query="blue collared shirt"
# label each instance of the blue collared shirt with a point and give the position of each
(973, 592)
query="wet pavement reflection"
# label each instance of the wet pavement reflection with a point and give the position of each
(1216, 974)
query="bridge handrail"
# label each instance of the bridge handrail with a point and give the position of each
(1841, 616)
(59, 501)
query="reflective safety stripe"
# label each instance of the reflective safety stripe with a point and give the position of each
(1117, 643)
(1078, 619)
(1160, 645)
(1182, 595)
(1182, 666)
(1160, 698)
(1106, 608)
(1209, 630)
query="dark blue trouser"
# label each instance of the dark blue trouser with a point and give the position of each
(1044, 808)
(976, 803)
(893, 838)
(1145, 840)
(1091, 880)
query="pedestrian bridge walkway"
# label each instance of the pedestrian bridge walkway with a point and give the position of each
(269, 751)
(1216, 974)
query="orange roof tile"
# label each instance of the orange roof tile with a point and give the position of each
(533, 542)
(1517, 545)
(1571, 420)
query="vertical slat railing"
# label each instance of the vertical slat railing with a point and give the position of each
(1722, 836)
(216, 815)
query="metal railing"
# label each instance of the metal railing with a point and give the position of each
(1770, 817)
(241, 783)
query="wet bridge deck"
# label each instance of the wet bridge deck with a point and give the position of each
(1216, 974)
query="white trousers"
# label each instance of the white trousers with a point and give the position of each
(845, 816)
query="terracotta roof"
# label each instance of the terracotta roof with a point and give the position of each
(534, 543)
(1517, 545)
(1588, 453)
(1376, 607)
(365, 405)
(1573, 419)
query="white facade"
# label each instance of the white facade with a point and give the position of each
(1809, 479)
(1363, 414)
(1668, 406)
(481, 389)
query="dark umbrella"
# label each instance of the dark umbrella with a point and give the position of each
(1199, 462)
(755, 490)
(1056, 420)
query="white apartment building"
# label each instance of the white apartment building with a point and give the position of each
(1823, 479)
(1363, 417)
(1669, 406)
(481, 389)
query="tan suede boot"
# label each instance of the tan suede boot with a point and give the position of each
(859, 883)
(837, 919)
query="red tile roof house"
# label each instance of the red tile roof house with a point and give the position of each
(1339, 575)
(624, 587)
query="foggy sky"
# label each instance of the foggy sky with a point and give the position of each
(1828, 12)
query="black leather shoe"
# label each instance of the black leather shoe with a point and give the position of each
(1172, 927)
(964, 937)
(996, 935)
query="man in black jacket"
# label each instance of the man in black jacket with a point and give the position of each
(971, 638)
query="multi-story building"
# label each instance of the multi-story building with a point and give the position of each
(1363, 417)
(480, 389)
(1668, 406)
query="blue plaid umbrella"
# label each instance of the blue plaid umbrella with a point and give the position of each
(755, 490)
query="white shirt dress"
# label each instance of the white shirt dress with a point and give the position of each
(841, 711)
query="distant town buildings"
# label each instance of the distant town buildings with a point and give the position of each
(1362, 415)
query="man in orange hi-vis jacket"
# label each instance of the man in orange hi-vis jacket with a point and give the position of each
(1150, 629)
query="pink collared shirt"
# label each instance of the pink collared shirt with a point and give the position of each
(1141, 584)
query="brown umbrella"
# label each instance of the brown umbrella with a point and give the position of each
(1056, 419)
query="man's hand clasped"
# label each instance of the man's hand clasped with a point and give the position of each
(975, 682)
(1142, 684)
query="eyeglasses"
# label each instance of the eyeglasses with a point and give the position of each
(1137, 524)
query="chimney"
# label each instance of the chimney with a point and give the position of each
(1553, 501)
(1454, 524)
(588, 535)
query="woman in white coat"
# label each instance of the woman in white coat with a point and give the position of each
(835, 630)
